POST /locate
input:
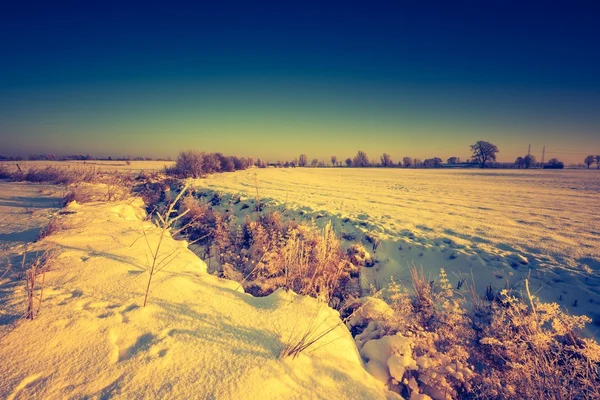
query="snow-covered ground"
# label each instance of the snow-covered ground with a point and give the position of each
(498, 226)
(25, 209)
(199, 337)
(100, 165)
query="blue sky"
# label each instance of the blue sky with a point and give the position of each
(274, 79)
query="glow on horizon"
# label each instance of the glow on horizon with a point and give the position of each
(274, 124)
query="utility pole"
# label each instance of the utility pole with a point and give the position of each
(543, 154)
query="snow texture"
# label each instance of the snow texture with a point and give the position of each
(199, 336)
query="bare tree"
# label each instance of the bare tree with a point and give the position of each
(554, 163)
(417, 162)
(483, 152)
(348, 162)
(361, 160)
(407, 161)
(314, 162)
(453, 160)
(589, 160)
(520, 162)
(597, 161)
(190, 163)
(303, 160)
(386, 160)
(529, 161)
(333, 160)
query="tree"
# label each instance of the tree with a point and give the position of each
(453, 160)
(361, 160)
(483, 152)
(407, 162)
(212, 163)
(589, 160)
(190, 164)
(348, 162)
(520, 162)
(314, 162)
(598, 161)
(333, 160)
(554, 164)
(303, 160)
(386, 160)
(529, 161)
(435, 162)
(417, 162)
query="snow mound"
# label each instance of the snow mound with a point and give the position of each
(198, 337)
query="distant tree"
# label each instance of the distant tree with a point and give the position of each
(529, 161)
(520, 162)
(348, 162)
(238, 163)
(260, 163)
(333, 160)
(293, 163)
(286, 164)
(598, 161)
(435, 162)
(303, 160)
(361, 160)
(212, 163)
(554, 164)
(226, 164)
(417, 162)
(453, 160)
(407, 162)
(386, 160)
(314, 162)
(190, 164)
(483, 152)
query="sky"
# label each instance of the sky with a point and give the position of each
(274, 80)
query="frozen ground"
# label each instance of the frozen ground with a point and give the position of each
(498, 225)
(100, 165)
(25, 209)
(199, 337)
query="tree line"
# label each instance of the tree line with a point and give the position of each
(589, 160)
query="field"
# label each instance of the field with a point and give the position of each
(98, 165)
(338, 293)
(500, 224)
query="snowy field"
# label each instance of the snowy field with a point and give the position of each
(99, 165)
(198, 337)
(203, 337)
(499, 226)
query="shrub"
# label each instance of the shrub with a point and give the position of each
(5, 173)
(189, 164)
(535, 351)
(270, 252)
(430, 341)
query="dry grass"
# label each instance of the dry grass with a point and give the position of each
(508, 347)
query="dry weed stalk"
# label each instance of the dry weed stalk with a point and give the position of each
(165, 223)
(296, 344)
(32, 285)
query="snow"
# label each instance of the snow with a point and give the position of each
(198, 337)
(99, 165)
(496, 227)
